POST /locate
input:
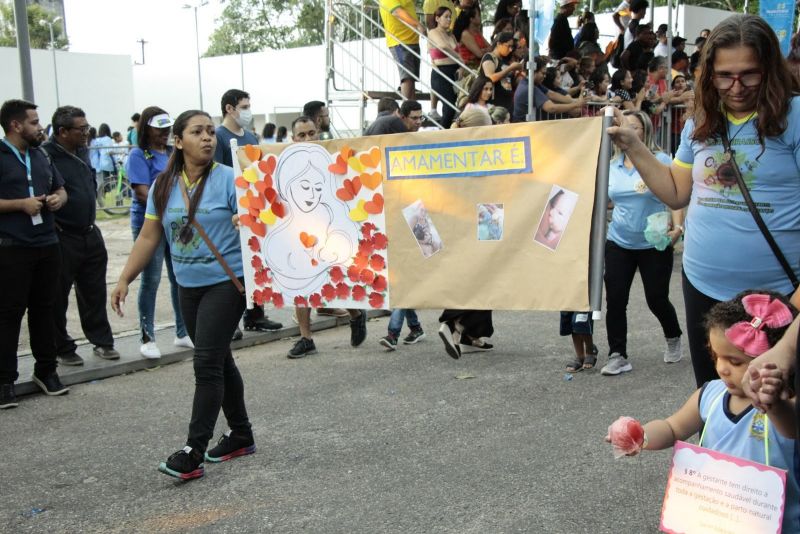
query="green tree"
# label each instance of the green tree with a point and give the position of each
(260, 24)
(39, 33)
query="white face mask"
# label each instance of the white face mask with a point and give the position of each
(244, 118)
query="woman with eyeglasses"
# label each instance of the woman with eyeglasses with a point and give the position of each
(145, 162)
(494, 67)
(746, 94)
(194, 189)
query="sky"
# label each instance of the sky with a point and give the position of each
(114, 26)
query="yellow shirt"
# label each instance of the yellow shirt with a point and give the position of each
(394, 26)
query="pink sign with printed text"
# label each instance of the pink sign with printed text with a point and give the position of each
(711, 492)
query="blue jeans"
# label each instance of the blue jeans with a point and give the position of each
(396, 320)
(148, 288)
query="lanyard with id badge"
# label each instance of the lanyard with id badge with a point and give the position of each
(35, 219)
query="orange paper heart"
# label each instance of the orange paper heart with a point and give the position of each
(349, 189)
(374, 206)
(267, 166)
(371, 159)
(241, 183)
(252, 152)
(340, 167)
(270, 195)
(371, 180)
(308, 240)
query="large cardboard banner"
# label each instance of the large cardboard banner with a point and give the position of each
(494, 217)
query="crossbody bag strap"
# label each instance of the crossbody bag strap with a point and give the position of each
(776, 250)
(212, 248)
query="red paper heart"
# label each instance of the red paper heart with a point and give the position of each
(279, 209)
(267, 166)
(376, 300)
(349, 189)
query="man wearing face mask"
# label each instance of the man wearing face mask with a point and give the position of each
(236, 119)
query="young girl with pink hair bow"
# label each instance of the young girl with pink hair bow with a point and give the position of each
(738, 331)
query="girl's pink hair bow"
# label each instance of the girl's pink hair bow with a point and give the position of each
(749, 337)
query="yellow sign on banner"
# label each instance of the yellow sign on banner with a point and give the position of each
(457, 159)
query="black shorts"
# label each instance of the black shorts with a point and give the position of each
(576, 323)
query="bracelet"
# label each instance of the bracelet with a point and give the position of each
(679, 227)
(644, 442)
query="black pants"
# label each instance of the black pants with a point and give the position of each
(655, 268)
(697, 306)
(28, 280)
(211, 314)
(440, 84)
(476, 323)
(83, 263)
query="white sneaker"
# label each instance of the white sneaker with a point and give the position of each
(616, 365)
(673, 352)
(150, 350)
(184, 341)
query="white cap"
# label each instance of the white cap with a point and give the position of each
(161, 121)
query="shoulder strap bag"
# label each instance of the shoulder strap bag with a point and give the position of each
(754, 211)
(197, 226)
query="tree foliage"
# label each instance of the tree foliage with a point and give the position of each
(39, 33)
(261, 24)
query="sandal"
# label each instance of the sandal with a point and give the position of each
(575, 365)
(591, 359)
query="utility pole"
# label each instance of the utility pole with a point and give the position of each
(24, 48)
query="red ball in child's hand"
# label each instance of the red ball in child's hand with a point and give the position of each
(626, 434)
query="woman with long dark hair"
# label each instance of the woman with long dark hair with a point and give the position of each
(194, 190)
(469, 33)
(145, 162)
(747, 95)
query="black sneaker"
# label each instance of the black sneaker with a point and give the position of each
(358, 329)
(390, 342)
(237, 334)
(263, 324)
(107, 353)
(415, 335)
(51, 384)
(70, 359)
(302, 348)
(231, 446)
(8, 398)
(185, 464)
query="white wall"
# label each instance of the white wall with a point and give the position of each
(102, 85)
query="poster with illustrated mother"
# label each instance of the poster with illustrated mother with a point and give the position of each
(401, 220)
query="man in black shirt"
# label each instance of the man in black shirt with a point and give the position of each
(640, 52)
(83, 252)
(561, 40)
(31, 191)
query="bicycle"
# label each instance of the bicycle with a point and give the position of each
(114, 193)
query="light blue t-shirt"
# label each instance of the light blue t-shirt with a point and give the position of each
(142, 168)
(101, 157)
(633, 204)
(194, 263)
(742, 435)
(222, 154)
(725, 252)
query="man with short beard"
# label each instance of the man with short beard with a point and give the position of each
(31, 190)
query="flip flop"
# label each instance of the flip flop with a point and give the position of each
(591, 359)
(575, 366)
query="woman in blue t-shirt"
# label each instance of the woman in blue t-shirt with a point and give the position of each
(210, 300)
(745, 91)
(145, 162)
(630, 247)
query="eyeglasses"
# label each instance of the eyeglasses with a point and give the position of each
(726, 81)
(82, 129)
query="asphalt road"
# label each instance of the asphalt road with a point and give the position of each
(360, 440)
